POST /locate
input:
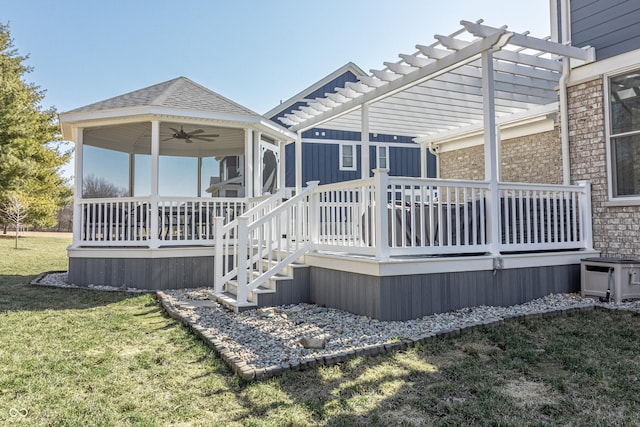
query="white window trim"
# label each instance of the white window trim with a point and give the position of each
(614, 200)
(353, 155)
(386, 157)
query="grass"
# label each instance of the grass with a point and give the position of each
(80, 357)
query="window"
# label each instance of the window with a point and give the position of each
(382, 157)
(624, 134)
(347, 157)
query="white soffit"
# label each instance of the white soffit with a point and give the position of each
(438, 88)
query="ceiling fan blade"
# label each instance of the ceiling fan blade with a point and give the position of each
(203, 139)
(209, 135)
(167, 139)
(188, 141)
(175, 130)
(195, 132)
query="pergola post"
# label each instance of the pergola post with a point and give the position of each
(424, 172)
(78, 184)
(365, 165)
(491, 161)
(248, 163)
(154, 242)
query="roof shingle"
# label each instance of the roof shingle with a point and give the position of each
(179, 93)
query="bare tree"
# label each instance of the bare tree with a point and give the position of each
(96, 187)
(15, 210)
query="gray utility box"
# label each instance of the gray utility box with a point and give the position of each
(625, 278)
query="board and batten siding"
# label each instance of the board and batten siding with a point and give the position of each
(321, 162)
(611, 26)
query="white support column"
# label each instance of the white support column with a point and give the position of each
(298, 164)
(424, 172)
(257, 164)
(248, 163)
(155, 196)
(365, 164)
(491, 161)
(78, 184)
(282, 179)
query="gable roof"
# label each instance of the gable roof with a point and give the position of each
(338, 78)
(179, 93)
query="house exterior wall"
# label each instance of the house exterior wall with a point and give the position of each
(321, 157)
(611, 26)
(616, 229)
(533, 158)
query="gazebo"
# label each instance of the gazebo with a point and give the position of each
(156, 166)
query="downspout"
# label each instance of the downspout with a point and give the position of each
(564, 122)
(564, 108)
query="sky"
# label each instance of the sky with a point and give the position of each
(255, 52)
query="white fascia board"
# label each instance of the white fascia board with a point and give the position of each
(430, 71)
(410, 266)
(512, 126)
(111, 253)
(615, 64)
(134, 114)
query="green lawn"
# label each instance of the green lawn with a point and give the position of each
(76, 357)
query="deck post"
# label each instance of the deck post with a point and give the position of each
(218, 273)
(381, 213)
(314, 212)
(243, 259)
(491, 160)
(586, 221)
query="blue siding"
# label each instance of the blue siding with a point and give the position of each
(330, 87)
(321, 162)
(611, 26)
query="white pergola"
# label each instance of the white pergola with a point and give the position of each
(473, 79)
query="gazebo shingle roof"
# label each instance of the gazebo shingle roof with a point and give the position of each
(179, 93)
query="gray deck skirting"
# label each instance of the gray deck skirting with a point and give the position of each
(413, 296)
(143, 273)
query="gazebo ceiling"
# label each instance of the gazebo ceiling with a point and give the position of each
(438, 88)
(136, 138)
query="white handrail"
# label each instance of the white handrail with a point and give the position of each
(262, 242)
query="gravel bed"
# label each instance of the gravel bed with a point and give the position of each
(265, 342)
(271, 339)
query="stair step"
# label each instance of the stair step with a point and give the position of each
(229, 301)
(231, 289)
(286, 271)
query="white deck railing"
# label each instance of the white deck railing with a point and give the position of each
(134, 221)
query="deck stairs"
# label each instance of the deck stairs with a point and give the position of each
(279, 289)
(259, 255)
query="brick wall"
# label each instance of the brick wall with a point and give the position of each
(532, 158)
(616, 229)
